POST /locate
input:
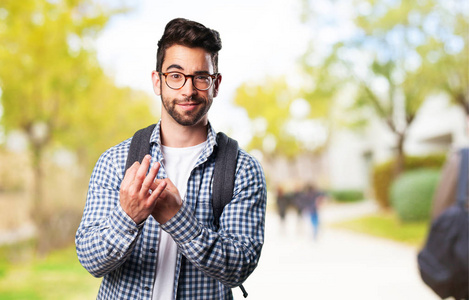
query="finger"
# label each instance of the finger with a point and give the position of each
(158, 191)
(141, 173)
(157, 182)
(169, 185)
(148, 182)
(130, 174)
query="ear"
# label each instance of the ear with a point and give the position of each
(155, 78)
(216, 85)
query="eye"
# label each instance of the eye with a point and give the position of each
(202, 77)
(175, 76)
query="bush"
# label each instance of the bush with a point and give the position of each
(346, 195)
(382, 178)
(412, 194)
(382, 174)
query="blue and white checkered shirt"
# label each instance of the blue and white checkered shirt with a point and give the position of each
(209, 262)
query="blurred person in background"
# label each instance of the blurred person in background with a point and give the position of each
(149, 231)
(282, 203)
(309, 201)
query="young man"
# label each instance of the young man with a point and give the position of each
(150, 230)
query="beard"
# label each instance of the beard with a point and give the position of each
(189, 117)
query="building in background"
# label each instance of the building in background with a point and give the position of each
(437, 128)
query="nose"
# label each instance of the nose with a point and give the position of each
(188, 89)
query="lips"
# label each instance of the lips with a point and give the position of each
(188, 105)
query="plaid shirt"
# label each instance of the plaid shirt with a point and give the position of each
(209, 262)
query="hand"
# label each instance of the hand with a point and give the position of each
(168, 203)
(135, 197)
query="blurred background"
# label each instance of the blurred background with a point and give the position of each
(353, 107)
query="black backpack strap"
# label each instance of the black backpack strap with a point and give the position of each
(224, 178)
(462, 187)
(139, 146)
(224, 174)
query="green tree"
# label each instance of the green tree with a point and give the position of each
(105, 117)
(446, 51)
(287, 129)
(267, 105)
(395, 57)
(280, 115)
(41, 75)
(52, 87)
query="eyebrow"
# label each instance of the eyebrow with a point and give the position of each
(178, 67)
(175, 66)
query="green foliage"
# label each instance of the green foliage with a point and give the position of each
(446, 52)
(383, 174)
(268, 105)
(412, 194)
(400, 54)
(50, 78)
(42, 76)
(388, 225)
(277, 110)
(322, 83)
(12, 254)
(346, 195)
(55, 92)
(58, 276)
(107, 117)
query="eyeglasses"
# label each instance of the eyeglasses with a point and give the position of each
(176, 80)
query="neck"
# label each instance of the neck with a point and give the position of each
(178, 136)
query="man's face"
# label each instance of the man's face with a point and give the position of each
(187, 105)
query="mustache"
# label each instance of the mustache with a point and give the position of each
(195, 100)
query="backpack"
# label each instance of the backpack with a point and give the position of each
(444, 260)
(223, 174)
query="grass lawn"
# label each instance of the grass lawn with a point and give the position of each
(387, 225)
(58, 276)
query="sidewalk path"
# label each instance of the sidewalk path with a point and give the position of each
(339, 265)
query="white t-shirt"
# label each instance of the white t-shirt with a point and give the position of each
(178, 164)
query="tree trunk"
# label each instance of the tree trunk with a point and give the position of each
(38, 213)
(462, 101)
(399, 165)
(37, 193)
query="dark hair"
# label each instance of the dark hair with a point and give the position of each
(190, 34)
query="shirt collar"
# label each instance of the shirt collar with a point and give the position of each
(209, 147)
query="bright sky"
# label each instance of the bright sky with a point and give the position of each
(260, 38)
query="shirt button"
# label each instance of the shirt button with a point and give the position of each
(131, 232)
(147, 288)
(152, 250)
